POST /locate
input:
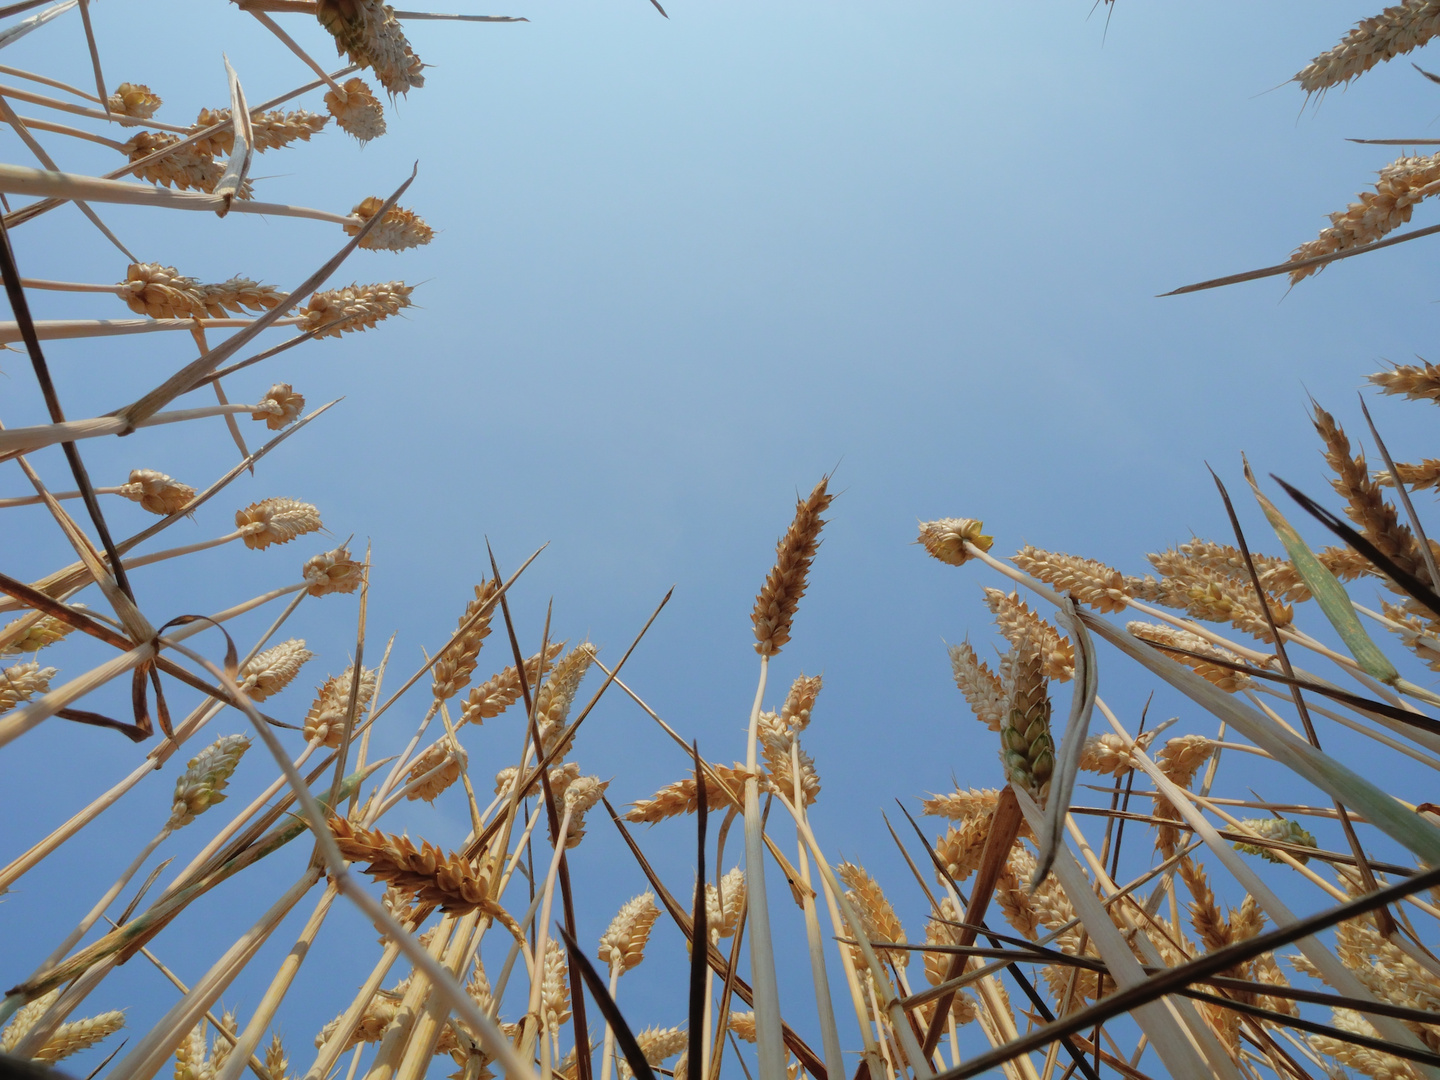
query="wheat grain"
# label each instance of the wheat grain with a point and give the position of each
(622, 945)
(1026, 748)
(190, 1055)
(983, 690)
(24, 1019)
(398, 230)
(557, 694)
(556, 993)
(1225, 678)
(444, 756)
(220, 1046)
(658, 1043)
(784, 586)
(1410, 629)
(1017, 622)
(561, 777)
(1282, 830)
(724, 903)
(938, 931)
(1402, 184)
(878, 920)
(325, 722)
(1048, 907)
(369, 33)
(800, 701)
(681, 797)
(354, 308)
(960, 849)
(271, 130)
(280, 407)
(447, 881)
(743, 1025)
(777, 739)
(1268, 971)
(945, 538)
(276, 521)
(238, 295)
(332, 571)
(135, 100)
(357, 110)
(276, 1063)
(1395, 31)
(456, 664)
(203, 783)
(1207, 594)
(1365, 505)
(1277, 576)
(499, 692)
(1418, 382)
(1420, 476)
(1107, 754)
(156, 492)
(43, 632)
(184, 168)
(1373, 1063)
(161, 292)
(580, 796)
(21, 682)
(1088, 581)
(1213, 928)
(958, 805)
(1181, 757)
(80, 1035)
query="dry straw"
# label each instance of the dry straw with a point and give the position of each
(1142, 884)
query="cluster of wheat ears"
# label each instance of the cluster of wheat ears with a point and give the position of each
(1095, 952)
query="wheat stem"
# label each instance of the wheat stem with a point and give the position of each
(150, 1052)
(73, 329)
(81, 110)
(256, 1066)
(44, 81)
(104, 902)
(534, 1016)
(490, 1035)
(24, 440)
(771, 1049)
(1334, 972)
(429, 1025)
(196, 867)
(819, 977)
(290, 43)
(899, 1021)
(265, 1011)
(18, 721)
(1351, 723)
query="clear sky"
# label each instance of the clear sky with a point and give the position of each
(685, 267)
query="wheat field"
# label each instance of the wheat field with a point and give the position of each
(1114, 893)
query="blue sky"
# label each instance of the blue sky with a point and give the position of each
(684, 268)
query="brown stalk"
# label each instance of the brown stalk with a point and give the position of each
(1301, 264)
(1021, 981)
(1004, 829)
